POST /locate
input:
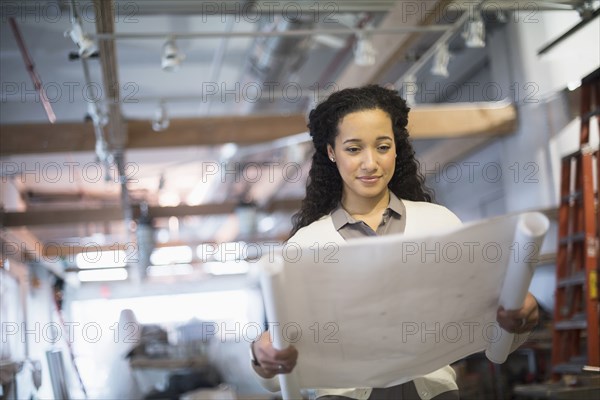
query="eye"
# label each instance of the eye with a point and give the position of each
(352, 150)
(384, 147)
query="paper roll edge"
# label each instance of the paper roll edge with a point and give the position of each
(534, 224)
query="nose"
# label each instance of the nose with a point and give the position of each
(369, 161)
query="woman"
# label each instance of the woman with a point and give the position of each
(365, 181)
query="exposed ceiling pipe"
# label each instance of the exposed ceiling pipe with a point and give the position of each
(116, 128)
(35, 78)
(269, 33)
(586, 18)
(273, 59)
(126, 9)
(217, 63)
(98, 119)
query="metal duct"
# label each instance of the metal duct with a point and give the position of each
(273, 59)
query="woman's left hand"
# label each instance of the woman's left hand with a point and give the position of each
(522, 320)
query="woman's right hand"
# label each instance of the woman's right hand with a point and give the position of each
(272, 361)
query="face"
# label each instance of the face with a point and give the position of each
(365, 155)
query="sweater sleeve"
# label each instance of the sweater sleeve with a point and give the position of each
(272, 385)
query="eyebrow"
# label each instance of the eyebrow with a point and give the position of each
(359, 140)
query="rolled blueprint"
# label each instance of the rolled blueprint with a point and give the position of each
(377, 312)
(272, 286)
(530, 232)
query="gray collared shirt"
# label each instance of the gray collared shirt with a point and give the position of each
(392, 221)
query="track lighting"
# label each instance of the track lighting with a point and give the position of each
(364, 51)
(501, 16)
(474, 33)
(171, 56)
(86, 45)
(160, 122)
(440, 61)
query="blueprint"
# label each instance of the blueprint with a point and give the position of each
(375, 312)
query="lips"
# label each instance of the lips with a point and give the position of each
(368, 179)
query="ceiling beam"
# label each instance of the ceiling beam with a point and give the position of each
(425, 122)
(74, 137)
(454, 120)
(216, 130)
(87, 215)
(22, 246)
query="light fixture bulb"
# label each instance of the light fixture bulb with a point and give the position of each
(160, 122)
(86, 45)
(440, 62)
(364, 51)
(474, 33)
(171, 56)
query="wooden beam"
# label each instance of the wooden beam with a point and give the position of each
(22, 246)
(46, 138)
(425, 122)
(459, 120)
(86, 215)
(74, 137)
(216, 130)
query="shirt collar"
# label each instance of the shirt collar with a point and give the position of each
(340, 216)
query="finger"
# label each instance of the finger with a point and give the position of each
(289, 353)
(276, 368)
(509, 324)
(271, 353)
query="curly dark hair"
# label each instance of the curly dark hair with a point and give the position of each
(324, 187)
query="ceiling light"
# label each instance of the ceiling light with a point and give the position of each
(474, 33)
(501, 16)
(160, 122)
(226, 268)
(100, 259)
(364, 51)
(440, 61)
(171, 255)
(228, 150)
(169, 270)
(94, 275)
(86, 45)
(171, 56)
(169, 199)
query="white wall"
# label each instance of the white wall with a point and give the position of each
(529, 159)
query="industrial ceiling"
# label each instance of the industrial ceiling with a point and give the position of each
(181, 111)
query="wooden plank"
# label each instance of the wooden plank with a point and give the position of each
(216, 130)
(75, 137)
(86, 215)
(425, 122)
(22, 246)
(459, 120)
(46, 138)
